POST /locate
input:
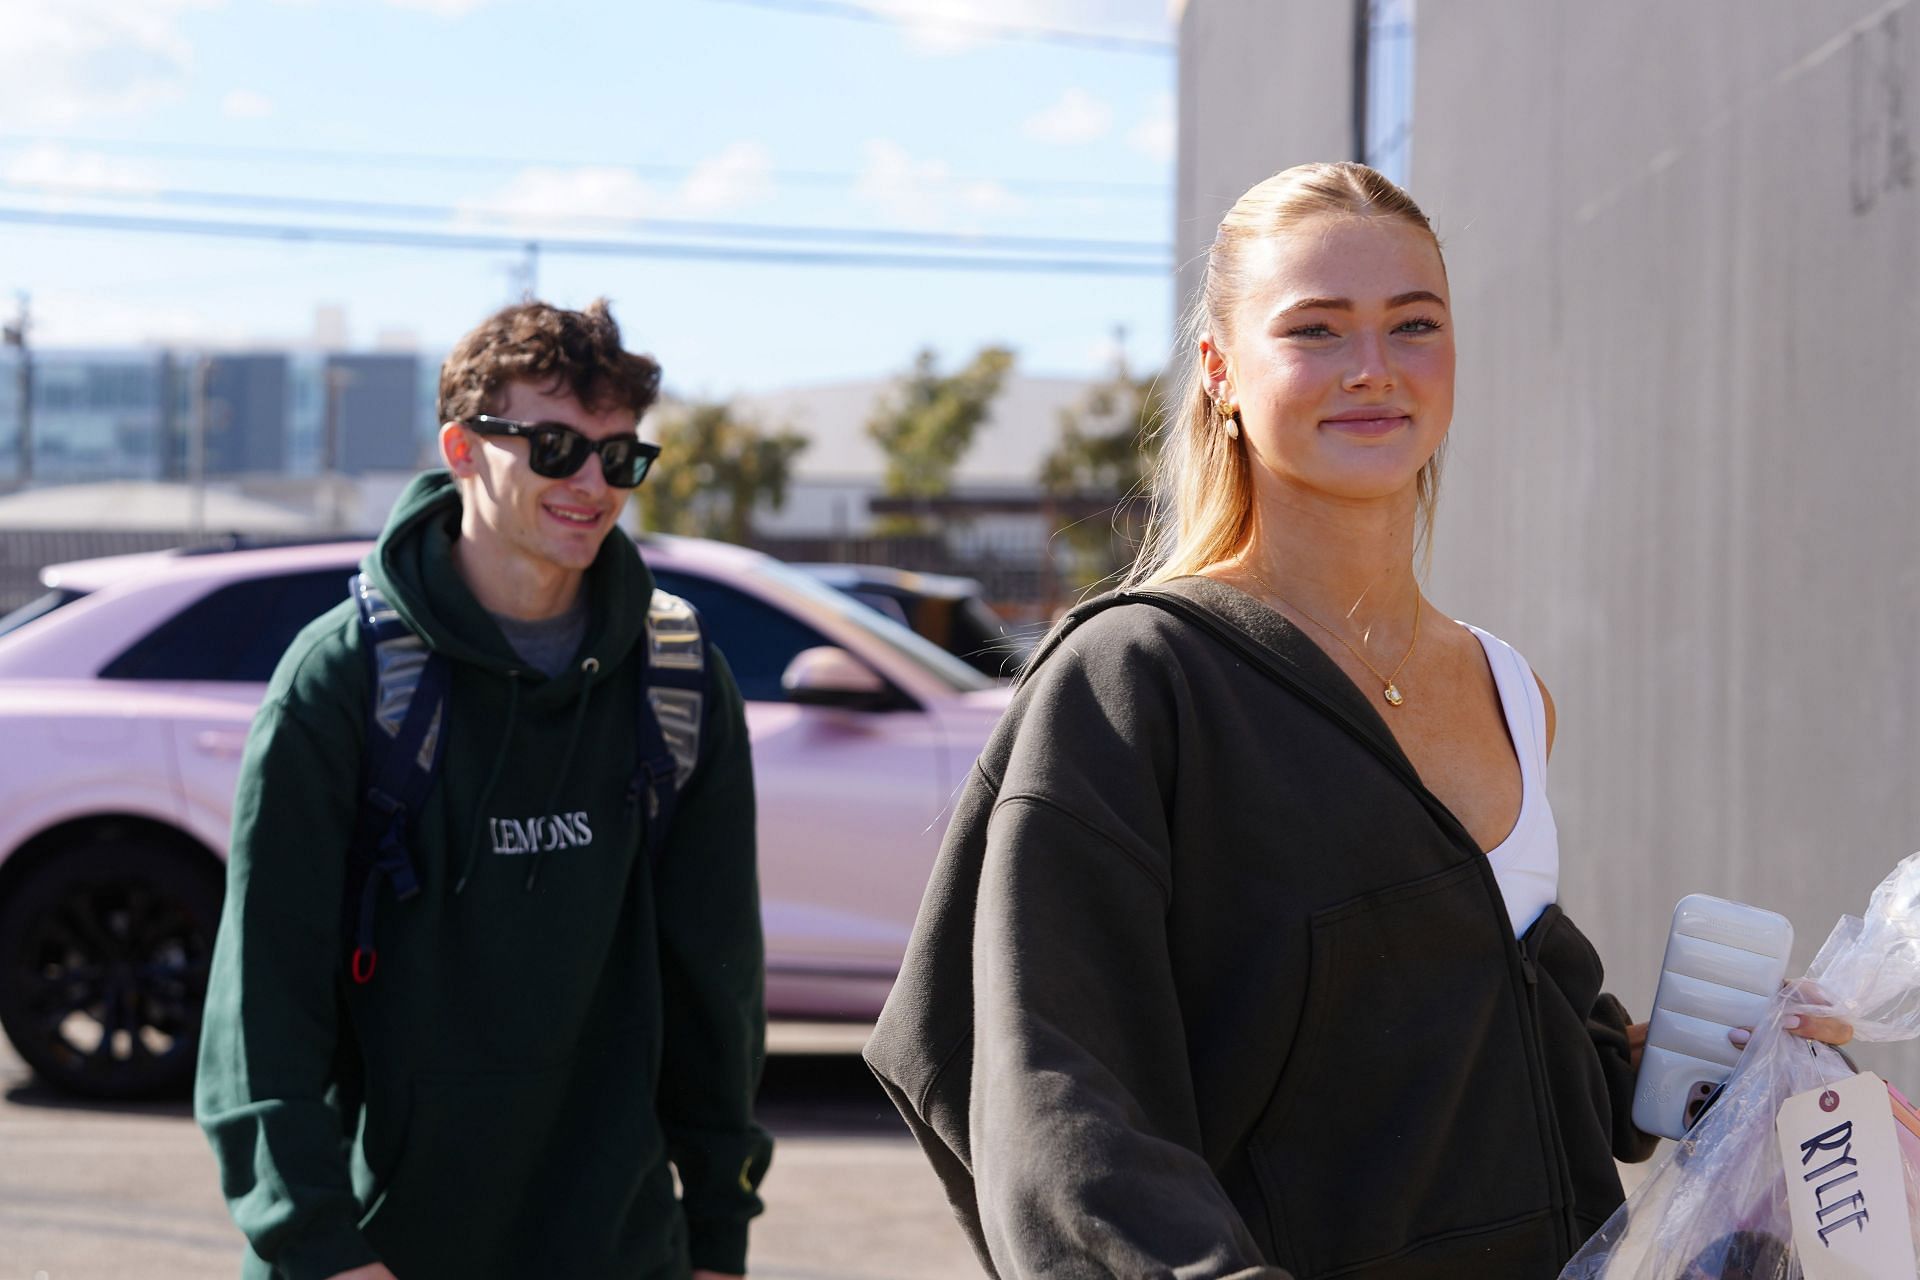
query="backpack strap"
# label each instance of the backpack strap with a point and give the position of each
(406, 721)
(671, 714)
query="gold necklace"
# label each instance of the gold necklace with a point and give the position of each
(1392, 694)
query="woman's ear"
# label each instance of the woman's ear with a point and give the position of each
(1215, 370)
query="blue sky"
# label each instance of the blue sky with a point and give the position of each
(571, 119)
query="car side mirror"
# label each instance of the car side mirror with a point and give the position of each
(828, 676)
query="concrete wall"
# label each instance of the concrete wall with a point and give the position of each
(246, 414)
(378, 407)
(1263, 86)
(1684, 243)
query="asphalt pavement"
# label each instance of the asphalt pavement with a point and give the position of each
(129, 1192)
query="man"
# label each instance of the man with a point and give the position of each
(561, 1010)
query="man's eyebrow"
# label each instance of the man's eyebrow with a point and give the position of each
(1346, 304)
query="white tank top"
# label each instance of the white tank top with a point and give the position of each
(1527, 862)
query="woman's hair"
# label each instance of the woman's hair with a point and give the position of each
(552, 349)
(1201, 488)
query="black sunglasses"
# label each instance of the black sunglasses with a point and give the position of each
(555, 450)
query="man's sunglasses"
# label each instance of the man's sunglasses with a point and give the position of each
(556, 451)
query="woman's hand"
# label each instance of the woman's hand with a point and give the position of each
(1808, 1026)
(372, 1271)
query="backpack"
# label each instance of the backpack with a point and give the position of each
(406, 736)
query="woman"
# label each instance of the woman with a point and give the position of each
(1253, 893)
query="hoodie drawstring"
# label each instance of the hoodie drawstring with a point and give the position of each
(486, 792)
(589, 668)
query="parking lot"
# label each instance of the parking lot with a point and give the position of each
(111, 1192)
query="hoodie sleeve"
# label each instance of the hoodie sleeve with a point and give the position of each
(270, 1031)
(712, 971)
(1085, 1131)
(1607, 1025)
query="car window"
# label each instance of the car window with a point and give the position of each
(982, 637)
(38, 607)
(235, 633)
(904, 641)
(758, 639)
(882, 601)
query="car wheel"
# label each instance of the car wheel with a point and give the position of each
(104, 953)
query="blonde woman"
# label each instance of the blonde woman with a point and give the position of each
(1243, 956)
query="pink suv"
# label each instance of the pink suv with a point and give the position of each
(125, 697)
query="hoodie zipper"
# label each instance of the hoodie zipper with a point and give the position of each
(1527, 989)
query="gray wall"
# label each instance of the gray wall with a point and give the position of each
(378, 406)
(1683, 242)
(246, 414)
(1263, 86)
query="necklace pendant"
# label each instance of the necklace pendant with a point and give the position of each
(1394, 695)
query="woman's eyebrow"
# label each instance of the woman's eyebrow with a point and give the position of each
(1346, 304)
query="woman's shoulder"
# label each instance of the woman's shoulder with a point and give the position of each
(1523, 671)
(1117, 645)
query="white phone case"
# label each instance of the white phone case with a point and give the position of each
(1724, 962)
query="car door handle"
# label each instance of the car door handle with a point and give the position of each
(221, 744)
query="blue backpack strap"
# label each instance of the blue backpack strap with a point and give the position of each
(406, 722)
(672, 712)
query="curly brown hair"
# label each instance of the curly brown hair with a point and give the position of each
(549, 348)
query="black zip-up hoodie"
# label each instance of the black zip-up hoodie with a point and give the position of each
(1208, 985)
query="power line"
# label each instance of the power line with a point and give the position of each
(1057, 187)
(714, 230)
(294, 233)
(1093, 40)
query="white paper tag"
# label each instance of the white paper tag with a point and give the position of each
(1845, 1186)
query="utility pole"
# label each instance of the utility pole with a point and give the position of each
(335, 381)
(16, 336)
(523, 274)
(197, 447)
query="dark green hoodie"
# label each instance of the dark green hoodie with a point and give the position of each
(545, 1030)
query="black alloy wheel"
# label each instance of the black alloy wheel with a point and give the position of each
(104, 953)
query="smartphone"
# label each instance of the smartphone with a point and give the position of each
(1725, 961)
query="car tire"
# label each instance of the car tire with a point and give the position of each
(104, 954)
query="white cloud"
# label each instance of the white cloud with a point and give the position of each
(1077, 117)
(986, 196)
(440, 8)
(736, 177)
(246, 104)
(957, 26)
(925, 193)
(76, 318)
(1154, 135)
(65, 60)
(905, 189)
(543, 194)
(59, 168)
(740, 175)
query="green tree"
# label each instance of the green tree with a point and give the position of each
(926, 423)
(1103, 446)
(715, 468)
(1099, 464)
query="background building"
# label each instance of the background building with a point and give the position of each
(1684, 245)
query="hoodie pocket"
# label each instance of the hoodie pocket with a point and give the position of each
(460, 1194)
(1404, 1122)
